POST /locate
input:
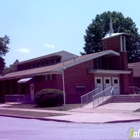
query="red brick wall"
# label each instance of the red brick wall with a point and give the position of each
(137, 82)
(78, 76)
(124, 83)
(44, 84)
(123, 61)
(112, 43)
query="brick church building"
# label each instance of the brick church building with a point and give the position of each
(76, 74)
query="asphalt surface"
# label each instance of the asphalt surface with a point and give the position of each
(31, 129)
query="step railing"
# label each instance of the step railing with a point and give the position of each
(86, 98)
(102, 96)
(17, 98)
(134, 90)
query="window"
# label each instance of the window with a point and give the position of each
(42, 63)
(115, 81)
(104, 43)
(52, 61)
(101, 63)
(58, 60)
(98, 81)
(38, 64)
(49, 77)
(107, 81)
(47, 62)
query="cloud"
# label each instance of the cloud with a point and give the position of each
(23, 50)
(49, 46)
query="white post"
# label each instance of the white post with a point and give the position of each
(63, 81)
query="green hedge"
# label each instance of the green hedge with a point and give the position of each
(49, 97)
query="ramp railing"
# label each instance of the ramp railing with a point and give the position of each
(134, 90)
(102, 96)
(86, 98)
(17, 98)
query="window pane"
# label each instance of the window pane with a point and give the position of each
(115, 81)
(98, 81)
(107, 81)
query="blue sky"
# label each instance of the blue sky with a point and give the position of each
(40, 27)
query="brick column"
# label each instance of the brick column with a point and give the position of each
(124, 82)
(124, 78)
(123, 61)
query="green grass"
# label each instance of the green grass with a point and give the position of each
(28, 113)
(33, 106)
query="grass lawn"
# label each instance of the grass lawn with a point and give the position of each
(33, 106)
(28, 113)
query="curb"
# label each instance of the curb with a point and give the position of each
(55, 120)
(124, 121)
(38, 118)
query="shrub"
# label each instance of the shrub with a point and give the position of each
(49, 97)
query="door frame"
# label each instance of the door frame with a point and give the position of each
(114, 84)
(99, 77)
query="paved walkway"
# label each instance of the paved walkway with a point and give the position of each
(113, 112)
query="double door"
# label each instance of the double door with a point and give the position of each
(105, 82)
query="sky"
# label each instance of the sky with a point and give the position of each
(40, 27)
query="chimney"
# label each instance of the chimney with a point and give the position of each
(74, 58)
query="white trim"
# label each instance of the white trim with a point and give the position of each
(113, 35)
(24, 80)
(121, 44)
(80, 86)
(116, 85)
(49, 72)
(109, 71)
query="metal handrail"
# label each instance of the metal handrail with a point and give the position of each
(87, 97)
(89, 92)
(134, 89)
(17, 97)
(100, 93)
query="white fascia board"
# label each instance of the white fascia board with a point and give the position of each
(109, 71)
(115, 34)
(91, 57)
(87, 59)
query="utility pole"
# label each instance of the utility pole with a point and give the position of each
(63, 81)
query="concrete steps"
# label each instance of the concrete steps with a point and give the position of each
(116, 99)
(125, 98)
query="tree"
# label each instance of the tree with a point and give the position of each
(4, 41)
(10, 68)
(100, 27)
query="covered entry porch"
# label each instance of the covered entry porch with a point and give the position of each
(106, 78)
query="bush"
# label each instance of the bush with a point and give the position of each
(49, 97)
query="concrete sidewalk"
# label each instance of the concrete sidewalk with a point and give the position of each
(113, 112)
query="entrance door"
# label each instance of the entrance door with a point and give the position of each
(116, 83)
(107, 84)
(32, 91)
(99, 84)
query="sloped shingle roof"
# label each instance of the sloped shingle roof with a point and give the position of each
(57, 67)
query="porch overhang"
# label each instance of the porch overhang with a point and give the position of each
(24, 80)
(109, 71)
